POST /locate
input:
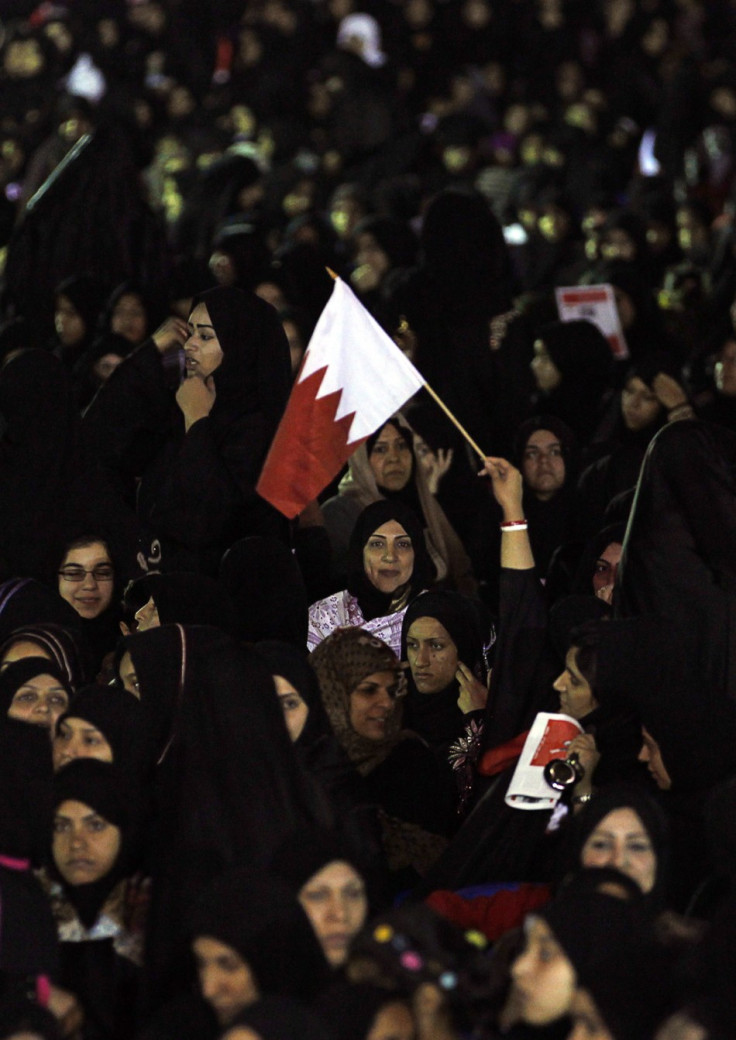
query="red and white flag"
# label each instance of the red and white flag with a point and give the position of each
(353, 378)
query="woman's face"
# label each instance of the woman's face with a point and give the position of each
(85, 845)
(543, 977)
(432, 655)
(147, 616)
(129, 318)
(294, 708)
(225, 979)
(639, 405)
(543, 464)
(621, 840)
(335, 902)
(371, 262)
(605, 571)
(391, 460)
(546, 373)
(576, 696)
(86, 579)
(68, 322)
(202, 350)
(40, 700)
(128, 676)
(725, 368)
(651, 755)
(77, 738)
(372, 703)
(388, 557)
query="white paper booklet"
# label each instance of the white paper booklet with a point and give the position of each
(548, 738)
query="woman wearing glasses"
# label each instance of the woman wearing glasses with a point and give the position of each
(86, 580)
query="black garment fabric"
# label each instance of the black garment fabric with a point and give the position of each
(25, 601)
(316, 746)
(680, 547)
(197, 492)
(643, 664)
(86, 295)
(306, 852)
(48, 495)
(262, 920)
(281, 1018)
(609, 941)
(28, 946)
(436, 717)
(187, 599)
(229, 786)
(25, 789)
(62, 646)
(118, 716)
(582, 355)
(463, 282)
(157, 656)
(372, 602)
(265, 584)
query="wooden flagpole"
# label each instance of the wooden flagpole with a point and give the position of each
(440, 402)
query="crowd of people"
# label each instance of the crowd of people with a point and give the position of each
(254, 771)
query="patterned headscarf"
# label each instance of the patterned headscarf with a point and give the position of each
(341, 662)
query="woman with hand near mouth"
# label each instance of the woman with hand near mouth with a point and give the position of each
(199, 453)
(362, 685)
(388, 566)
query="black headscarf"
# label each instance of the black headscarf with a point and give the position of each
(116, 713)
(373, 603)
(103, 788)
(436, 716)
(157, 657)
(188, 599)
(291, 662)
(24, 601)
(307, 851)
(624, 796)
(263, 922)
(610, 944)
(255, 372)
(465, 256)
(18, 673)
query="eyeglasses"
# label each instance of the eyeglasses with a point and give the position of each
(102, 572)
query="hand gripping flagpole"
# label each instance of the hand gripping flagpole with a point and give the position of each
(456, 422)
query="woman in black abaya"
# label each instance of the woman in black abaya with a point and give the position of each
(678, 557)
(198, 459)
(228, 785)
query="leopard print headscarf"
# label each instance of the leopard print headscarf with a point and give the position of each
(341, 662)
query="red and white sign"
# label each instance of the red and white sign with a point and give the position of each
(596, 304)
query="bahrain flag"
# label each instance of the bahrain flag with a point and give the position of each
(352, 379)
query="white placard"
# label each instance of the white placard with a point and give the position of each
(548, 738)
(596, 304)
